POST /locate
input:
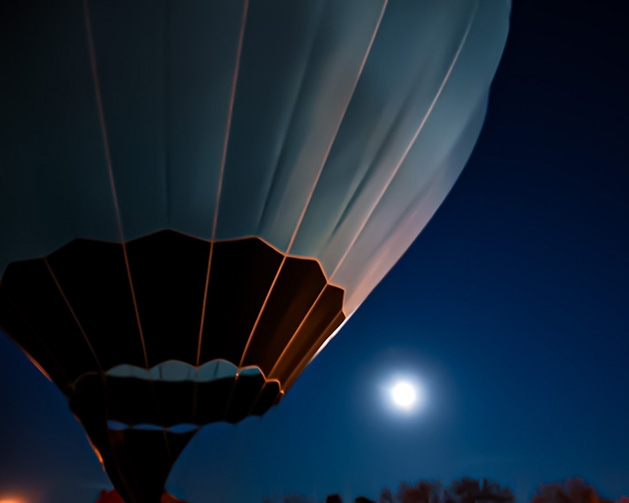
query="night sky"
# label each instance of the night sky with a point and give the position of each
(511, 308)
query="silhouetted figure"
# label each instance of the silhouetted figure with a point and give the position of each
(363, 499)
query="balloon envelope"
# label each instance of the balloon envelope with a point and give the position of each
(196, 195)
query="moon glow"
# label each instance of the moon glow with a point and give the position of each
(404, 395)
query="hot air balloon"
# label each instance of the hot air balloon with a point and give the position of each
(195, 196)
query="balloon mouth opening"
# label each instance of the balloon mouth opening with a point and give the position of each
(179, 371)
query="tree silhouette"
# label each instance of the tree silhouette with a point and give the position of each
(571, 491)
(334, 498)
(386, 496)
(422, 492)
(467, 490)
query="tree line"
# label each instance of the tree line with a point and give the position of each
(469, 490)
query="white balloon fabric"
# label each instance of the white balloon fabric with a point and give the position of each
(331, 130)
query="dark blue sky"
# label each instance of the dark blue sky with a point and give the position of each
(512, 307)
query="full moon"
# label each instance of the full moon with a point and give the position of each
(404, 395)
